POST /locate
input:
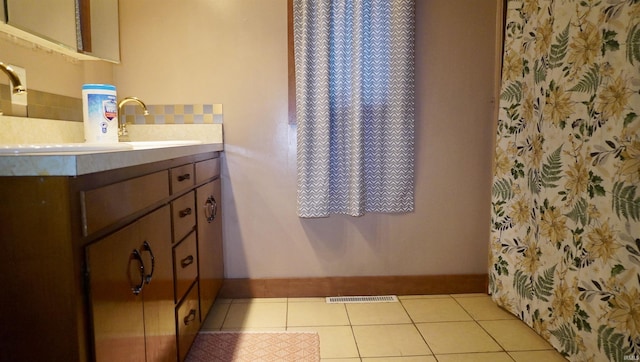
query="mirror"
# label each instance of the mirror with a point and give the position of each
(99, 29)
(54, 21)
(82, 26)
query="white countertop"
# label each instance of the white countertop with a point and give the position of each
(82, 163)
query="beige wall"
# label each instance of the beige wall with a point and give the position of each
(235, 52)
(52, 72)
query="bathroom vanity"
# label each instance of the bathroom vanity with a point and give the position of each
(108, 256)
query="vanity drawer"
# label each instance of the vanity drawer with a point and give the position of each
(207, 169)
(103, 206)
(188, 320)
(183, 214)
(181, 178)
(185, 265)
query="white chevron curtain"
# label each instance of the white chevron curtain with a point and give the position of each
(355, 106)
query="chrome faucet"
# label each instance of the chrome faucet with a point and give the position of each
(122, 130)
(15, 80)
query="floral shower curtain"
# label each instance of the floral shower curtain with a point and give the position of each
(565, 246)
(354, 105)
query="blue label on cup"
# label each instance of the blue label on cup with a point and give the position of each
(102, 106)
(110, 109)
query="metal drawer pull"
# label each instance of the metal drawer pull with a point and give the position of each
(190, 317)
(185, 212)
(135, 254)
(187, 261)
(186, 176)
(147, 247)
(210, 209)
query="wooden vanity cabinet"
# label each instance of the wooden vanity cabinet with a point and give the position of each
(188, 321)
(198, 270)
(181, 178)
(183, 216)
(72, 251)
(42, 310)
(187, 307)
(210, 242)
(130, 292)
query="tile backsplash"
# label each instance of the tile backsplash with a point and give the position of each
(174, 114)
(44, 105)
(53, 106)
(16, 130)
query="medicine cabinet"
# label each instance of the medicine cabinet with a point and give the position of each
(81, 27)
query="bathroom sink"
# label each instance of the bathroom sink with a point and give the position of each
(138, 145)
(40, 148)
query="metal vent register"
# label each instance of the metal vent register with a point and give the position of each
(363, 299)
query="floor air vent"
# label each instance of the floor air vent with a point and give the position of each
(364, 299)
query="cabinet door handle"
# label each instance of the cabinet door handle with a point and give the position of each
(186, 176)
(185, 212)
(187, 261)
(135, 254)
(147, 247)
(190, 317)
(210, 209)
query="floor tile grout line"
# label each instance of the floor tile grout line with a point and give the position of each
(491, 335)
(510, 356)
(504, 348)
(353, 333)
(499, 320)
(475, 320)
(226, 314)
(464, 309)
(286, 314)
(469, 353)
(413, 322)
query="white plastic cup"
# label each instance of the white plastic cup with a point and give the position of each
(100, 113)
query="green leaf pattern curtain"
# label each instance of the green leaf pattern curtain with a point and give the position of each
(565, 241)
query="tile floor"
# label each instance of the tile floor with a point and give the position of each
(443, 328)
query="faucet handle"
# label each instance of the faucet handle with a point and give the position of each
(122, 131)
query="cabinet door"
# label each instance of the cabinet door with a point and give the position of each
(209, 243)
(159, 307)
(116, 280)
(131, 292)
